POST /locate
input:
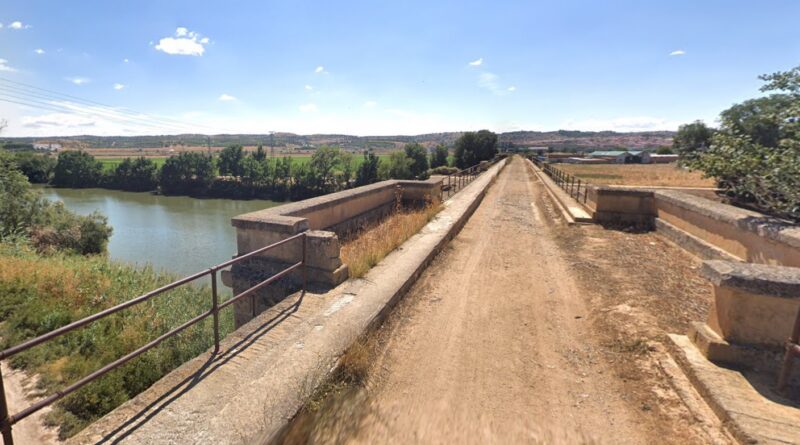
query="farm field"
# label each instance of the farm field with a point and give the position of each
(659, 175)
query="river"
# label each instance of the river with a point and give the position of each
(178, 234)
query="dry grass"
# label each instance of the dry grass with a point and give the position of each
(662, 175)
(373, 244)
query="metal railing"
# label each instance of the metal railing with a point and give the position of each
(7, 421)
(575, 187)
(456, 181)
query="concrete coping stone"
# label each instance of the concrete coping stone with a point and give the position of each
(289, 217)
(773, 228)
(627, 191)
(761, 279)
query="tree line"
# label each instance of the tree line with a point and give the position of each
(235, 173)
(754, 155)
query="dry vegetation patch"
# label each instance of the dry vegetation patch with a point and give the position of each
(374, 242)
(660, 175)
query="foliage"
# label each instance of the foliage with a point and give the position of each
(472, 148)
(38, 168)
(187, 173)
(444, 170)
(230, 160)
(439, 156)
(755, 155)
(398, 167)
(692, 140)
(368, 170)
(77, 169)
(418, 157)
(137, 175)
(42, 293)
(664, 151)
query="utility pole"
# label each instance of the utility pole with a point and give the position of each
(272, 144)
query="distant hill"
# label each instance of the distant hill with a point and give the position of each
(559, 140)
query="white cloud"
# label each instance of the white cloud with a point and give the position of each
(308, 108)
(185, 43)
(226, 97)
(677, 52)
(39, 51)
(125, 60)
(627, 123)
(478, 62)
(78, 80)
(490, 81)
(320, 70)
(308, 88)
(511, 88)
(370, 104)
(58, 120)
(119, 86)
(4, 66)
(18, 25)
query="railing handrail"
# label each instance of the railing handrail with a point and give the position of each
(469, 172)
(6, 420)
(566, 181)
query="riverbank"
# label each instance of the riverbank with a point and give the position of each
(42, 293)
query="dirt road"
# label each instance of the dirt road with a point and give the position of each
(496, 346)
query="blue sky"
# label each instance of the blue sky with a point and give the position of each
(372, 68)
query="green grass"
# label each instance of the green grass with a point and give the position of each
(41, 293)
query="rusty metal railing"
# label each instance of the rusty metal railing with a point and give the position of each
(792, 353)
(7, 421)
(575, 187)
(456, 181)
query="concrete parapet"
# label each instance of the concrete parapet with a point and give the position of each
(754, 309)
(621, 205)
(324, 219)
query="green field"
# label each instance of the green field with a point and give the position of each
(109, 164)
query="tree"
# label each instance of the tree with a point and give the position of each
(368, 170)
(664, 151)
(260, 155)
(187, 173)
(136, 175)
(418, 160)
(77, 169)
(472, 148)
(38, 168)
(755, 155)
(230, 160)
(323, 165)
(692, 140)
(439, 156)
(399, 166)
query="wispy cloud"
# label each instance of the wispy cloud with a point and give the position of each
(226, 97)
(677, 52)
(125, 60)
(308, 88)
(491, 82)
(78, 80)
(119, 86)
(370, 104)
(39, 51)
(512, 88)
(478, 62)
(184, 43)
(320, 70)
(18, 25)
(308, 108)
(4, 66)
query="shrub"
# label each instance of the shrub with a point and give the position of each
(444, 170)
(77, 169)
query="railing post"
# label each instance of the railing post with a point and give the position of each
(305, 266)
(215, 309)
(8, 438)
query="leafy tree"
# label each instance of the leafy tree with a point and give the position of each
(418, 157)
(20, 206)
(137, 175)
(77, 169)
(692, 140)
(755, 155)
(439, 156)
(187, 173)
(38, 168)
(664, 151)
(230, 160)
(399, 166)
(260, 155)
(323, 166)
(252, 170)
(472, 148)
(368, 170)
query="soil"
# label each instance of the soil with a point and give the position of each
(528, 330)
(31, 430)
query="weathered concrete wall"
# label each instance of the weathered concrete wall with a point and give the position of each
(325, 218)
(755, 306)
(611, 204)
(748, 235)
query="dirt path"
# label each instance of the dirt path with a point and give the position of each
(496, 346)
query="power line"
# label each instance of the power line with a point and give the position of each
(42, 93)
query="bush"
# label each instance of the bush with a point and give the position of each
(472, 148)
(136, 175)
(439, 156)
(77, 169)
(418, 157)
(187, 174)
(444, 170)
